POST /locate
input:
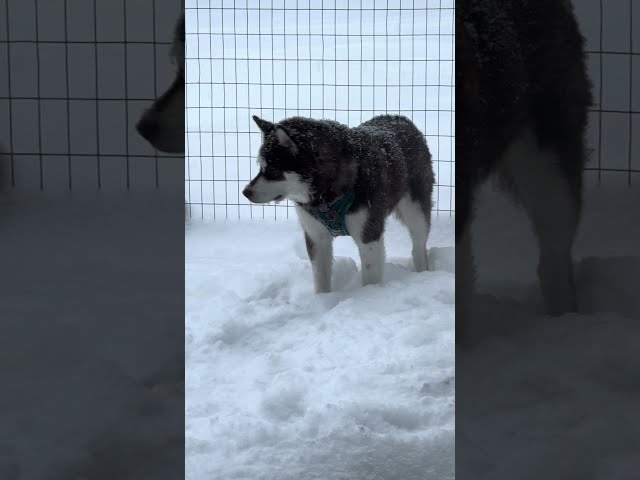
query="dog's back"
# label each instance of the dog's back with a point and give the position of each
(520, 66)
(394, 161)
(415, 153)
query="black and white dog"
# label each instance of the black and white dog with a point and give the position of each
(347, 181)
(162, 125)
(522, 98)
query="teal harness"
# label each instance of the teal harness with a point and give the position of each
(333, 215)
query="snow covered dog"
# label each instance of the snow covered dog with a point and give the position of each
(522, 93)
(162, 125)
(347, 181)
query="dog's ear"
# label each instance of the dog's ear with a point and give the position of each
(264, 125)
(284, 140)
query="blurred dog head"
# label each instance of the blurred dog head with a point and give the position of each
(162, 125)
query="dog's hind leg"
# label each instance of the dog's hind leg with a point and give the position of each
(551, 200)
(465, 282)
(367, 233)
(418, 222)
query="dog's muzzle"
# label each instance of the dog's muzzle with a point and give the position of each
(147, 127)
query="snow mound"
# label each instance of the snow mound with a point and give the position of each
(282, 383)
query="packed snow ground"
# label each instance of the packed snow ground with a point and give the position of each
(553, 398)
(285, 384)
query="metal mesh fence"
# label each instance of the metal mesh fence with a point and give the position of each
(74, 77)
(342, 60)
(613, 54)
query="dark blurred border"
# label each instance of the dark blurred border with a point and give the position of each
(91, 242)
(543, 397)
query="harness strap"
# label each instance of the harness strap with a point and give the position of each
(332, 216)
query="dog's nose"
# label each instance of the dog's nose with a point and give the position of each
(247, 192)
(146, 128)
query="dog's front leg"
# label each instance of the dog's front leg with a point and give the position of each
(320, 251)
(319, 244)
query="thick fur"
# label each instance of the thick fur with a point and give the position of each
(522, 94)
(384, 161)
(162, 125)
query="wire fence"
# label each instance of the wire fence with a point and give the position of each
(75, 75)
(342, 60)
(613, 54)
(74, 78)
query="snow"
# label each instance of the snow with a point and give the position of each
(282, 383)
(540, 397)
(359, 383)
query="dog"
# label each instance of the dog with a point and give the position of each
(162, 125)
(346, 182)
(523, 95)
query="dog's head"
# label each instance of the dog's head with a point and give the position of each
(302, 160)
(162, 125)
